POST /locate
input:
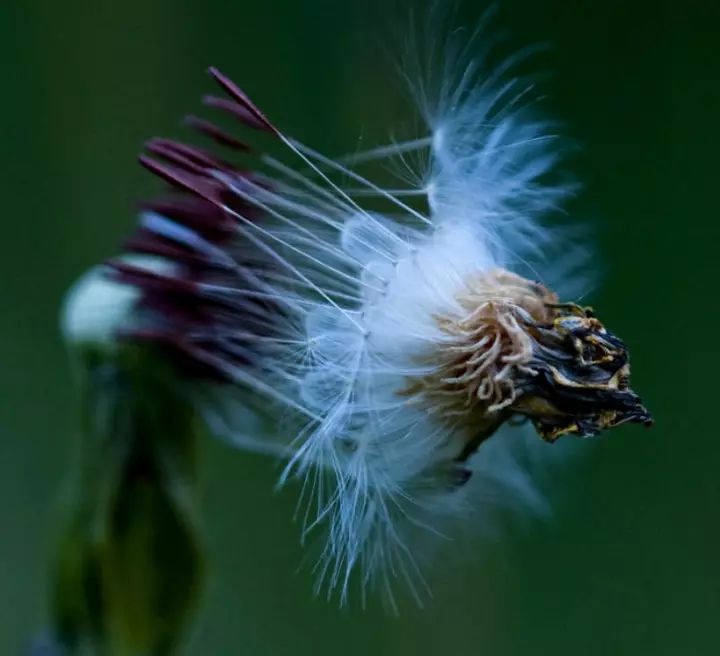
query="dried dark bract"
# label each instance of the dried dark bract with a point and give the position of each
(580, 380)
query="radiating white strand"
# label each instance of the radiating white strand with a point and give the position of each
(295, 249)
(276, 256)
(255, 200)
(346, 202)
(305, 152)
(383, 152)
(305, 211)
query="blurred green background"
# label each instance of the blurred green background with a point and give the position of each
(632, 565)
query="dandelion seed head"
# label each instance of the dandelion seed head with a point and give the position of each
(387, 346)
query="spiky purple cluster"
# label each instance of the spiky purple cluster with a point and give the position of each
(192, 229)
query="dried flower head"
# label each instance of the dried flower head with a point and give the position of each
(387, 343)
(516, 350)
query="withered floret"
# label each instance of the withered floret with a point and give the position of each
(515, 350)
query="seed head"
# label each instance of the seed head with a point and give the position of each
(388, 344)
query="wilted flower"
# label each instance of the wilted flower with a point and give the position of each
(389, 332)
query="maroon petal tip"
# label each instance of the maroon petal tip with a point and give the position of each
(178, 178)
(215, 133)
(235, 92)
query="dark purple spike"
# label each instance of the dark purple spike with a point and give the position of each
(215, 133)
(237, 110)
(193, 153)
(217, 364)
(194, 261)
(167, 151)
(145, 241)
(150, 281)
(148, 243)
(193, 309)
(203, 187)
(168, 291)
(187, 207)
(242, 98)
(197, 213)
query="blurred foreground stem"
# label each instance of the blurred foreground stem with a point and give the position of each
(129, 566)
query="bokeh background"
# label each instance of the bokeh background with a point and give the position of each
(632, 563)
